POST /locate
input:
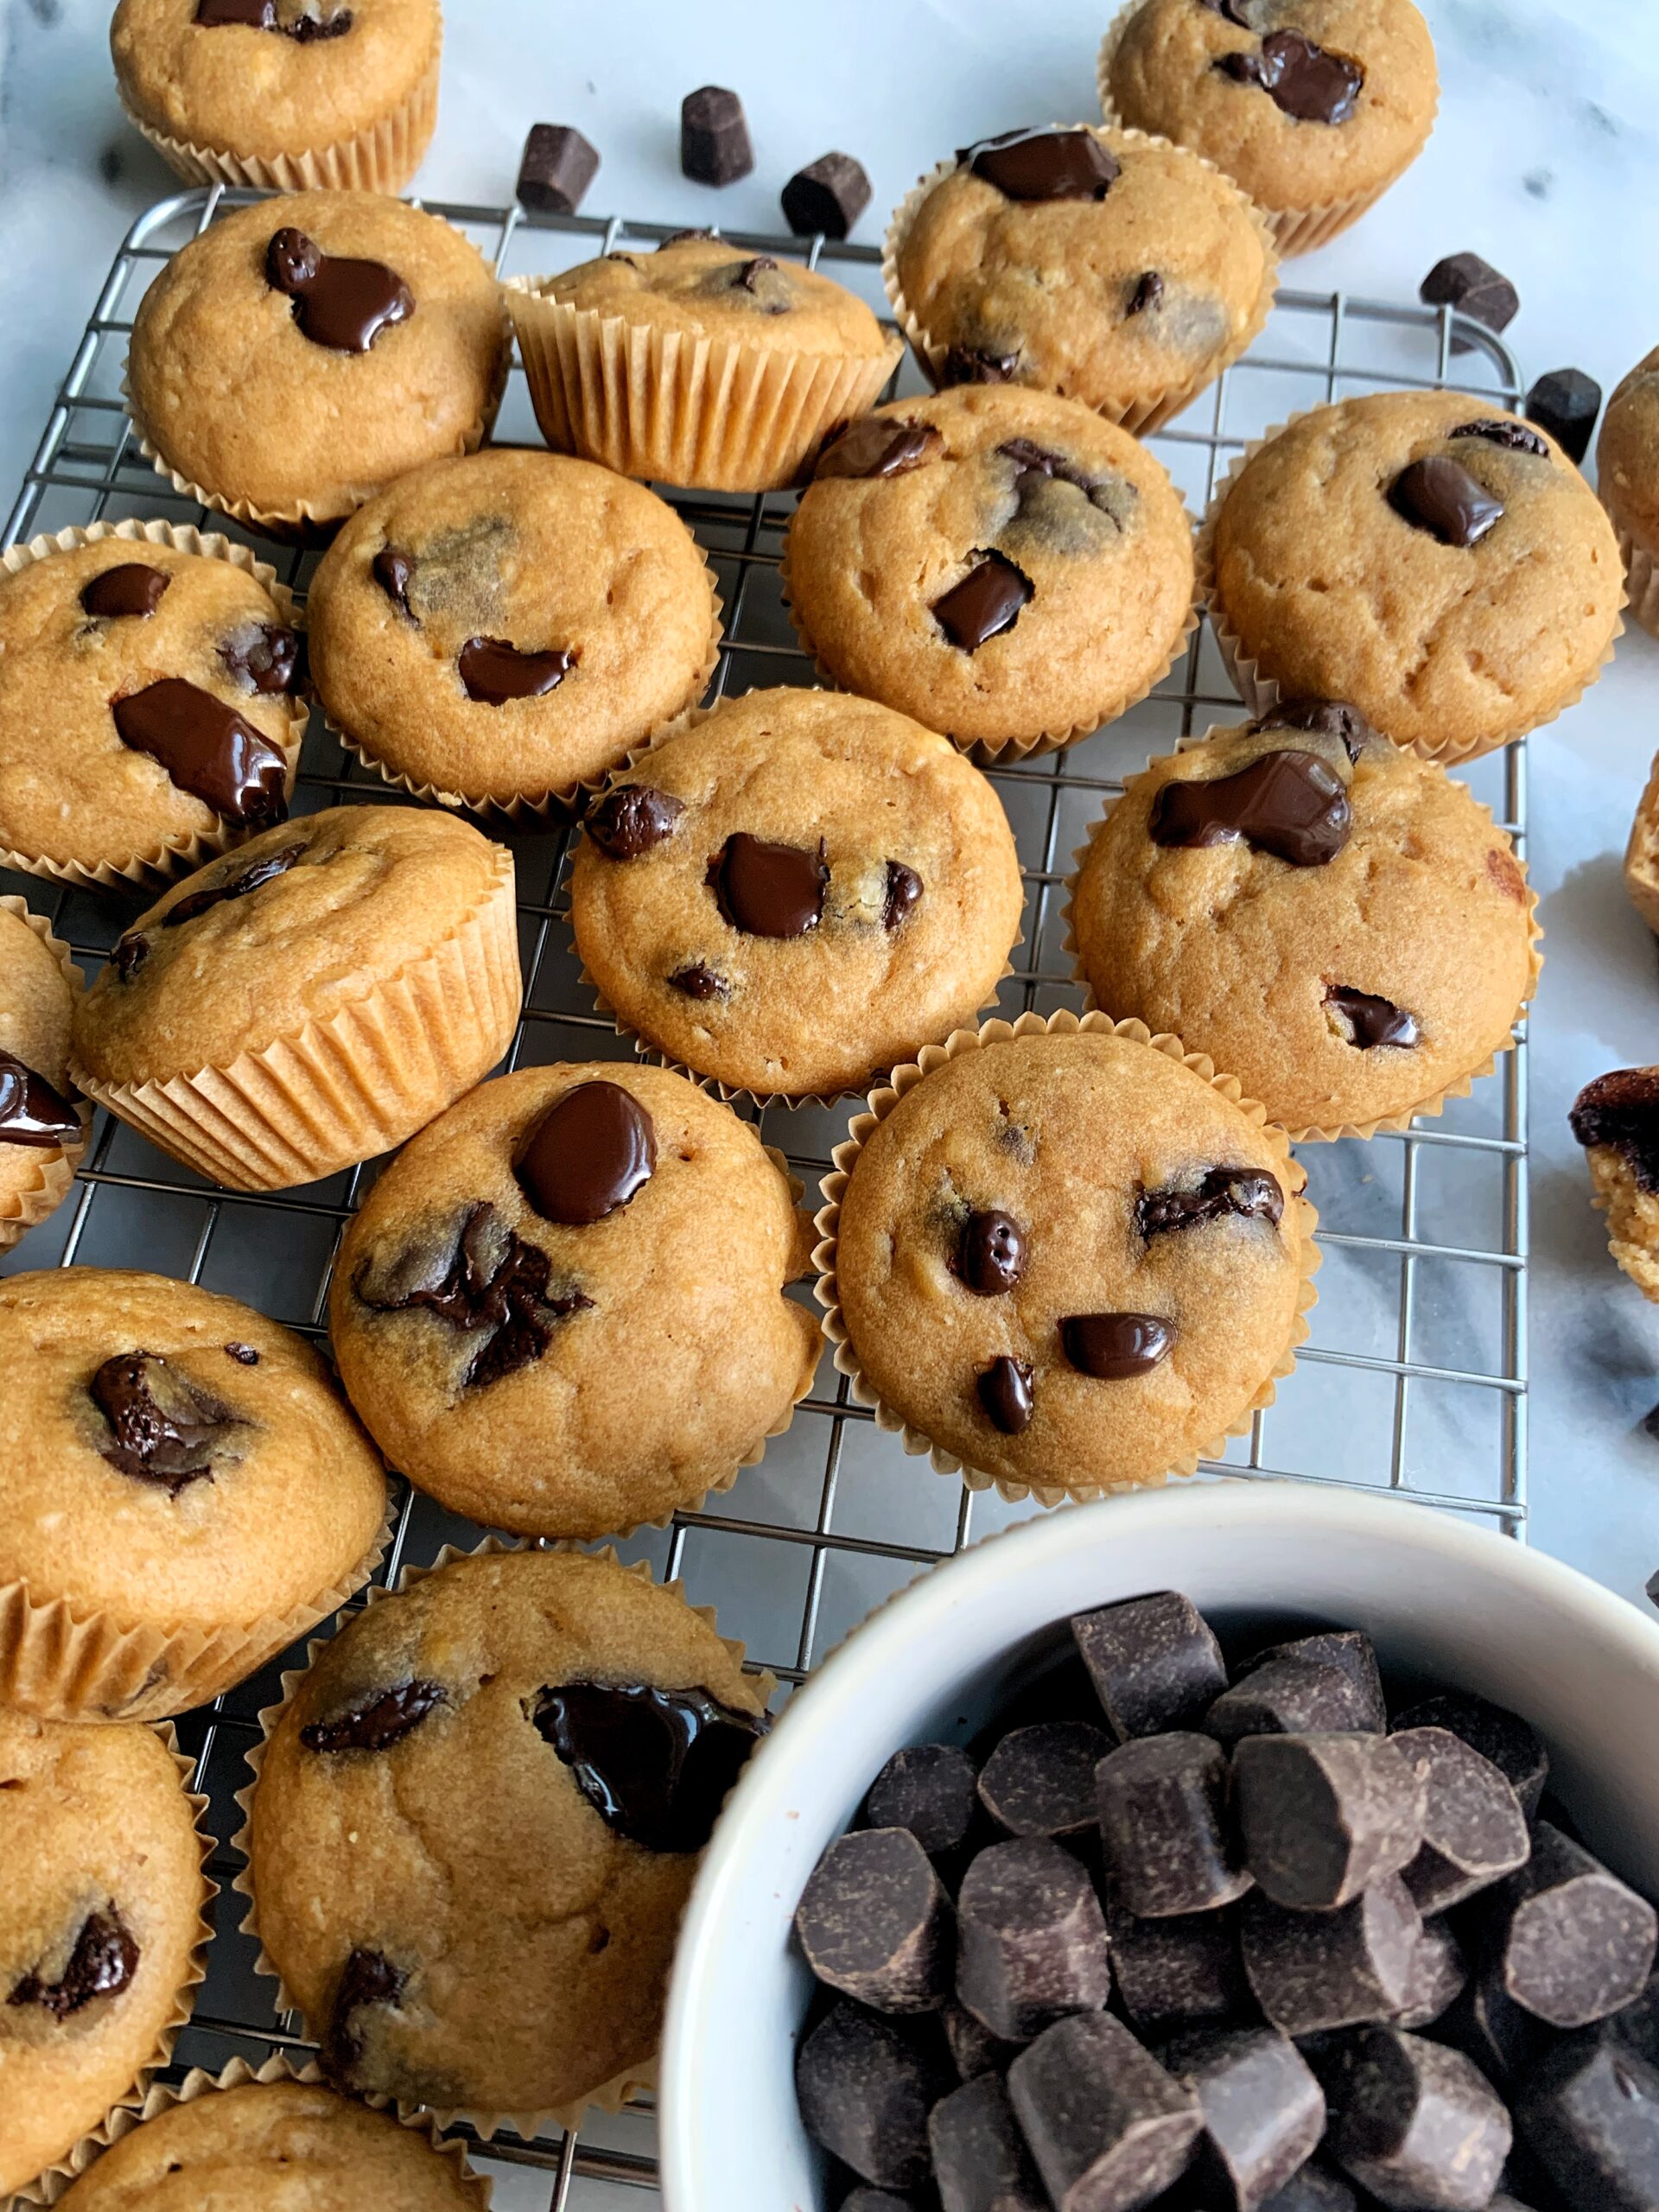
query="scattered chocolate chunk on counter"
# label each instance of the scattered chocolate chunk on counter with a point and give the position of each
(1473, 288)
(1566, 403)
(827, 196)
(874, 1922)
(713, 136)
(557, 167)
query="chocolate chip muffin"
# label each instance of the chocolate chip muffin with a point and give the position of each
(1108, 266)
(1000, 563)
(148, 714)
(1336, 923)
(1064, 1258)
(1315, 106)
(310, 1000)
(476, 1823)
(800, 888)
(182, 1493)
(1642, 853)
(282, 93)
(503, 628)
(561, 1309)
(100, 1916)
(1627, 476)
(699, 363)
(1615, 1119)
(302, 353)
(43, 1124)
(1505, 583)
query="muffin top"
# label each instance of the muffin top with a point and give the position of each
(1000, 563)
(1503, 580)
(286, 931)
(1303, 101)
(144, 702)
(1097, 263)
(706, 288)
(271, 77)
(99, 1913)
(1333, 921)
(508, 625)
(169, 1455)
(569, 1353)
(304, 351)
(796, 891)
(477, 1821)
(1070, 1259)
(1627, 452)
(38, 1116)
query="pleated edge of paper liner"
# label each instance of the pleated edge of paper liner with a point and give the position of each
(173, 858)
(712, 426)
(1295, 230)
(1313, 1132)
(54, 1166)
(1140, 417)
(1262, 693)
(50, 2183)
(1641, 568)
(608, 2097)
(881, 1102)
(236, 2074)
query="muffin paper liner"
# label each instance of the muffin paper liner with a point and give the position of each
(1294, 229)
(55, 1169)
(198, 2082)
(124, 2115)
(174, 857)
(1313, 1134)
(881, 1102)
(1142, 415)
(708, 413)
(609, 2097)
(1640, 572)
(1641, 852)
(1261, 692)
(342, 1090)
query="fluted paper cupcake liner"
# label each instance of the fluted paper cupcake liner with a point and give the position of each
(342, 1090)
(608, 2097)
(1142, 415)
(881, 1102)
(1261, 691)
(1641, 572)
(705, 413)
(176, 856)
(1295, 230)
(1432, 1106)
(52, 1169)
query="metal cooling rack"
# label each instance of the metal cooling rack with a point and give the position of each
(1415, 1377)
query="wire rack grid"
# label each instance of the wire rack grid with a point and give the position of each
(1413, 1379)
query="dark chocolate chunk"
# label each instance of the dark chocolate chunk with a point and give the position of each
(978, 364)
(391, 571)
(494, 1280)
(1438, 495)
(1154, 1661)
(865, 2087)
(1571, 1942)
(493, 671)
(1368, 1021)
(698, 981)
(713, 136)
(1040, 1780)
(1305, 81)
(162, 1429)
(1263, 2111)
(1566, 403)
(1324, 717)
(745, 274)
(255, 15)
(1324, 1816)
(1589, 2113)
(1031, 1942)
(1163, 1825)
(656, 1765)
(1488, 2026)
(368, 1977)
(990, 1256)
(206, 749)
(827, 197)
(1413, 2122)
(1473, 288)
(102, 1960)
(1637, 2025)
(1348, 1650)
(1619, 1112)
(265, 657)
(33, 1112)
(1474, 1830)
(133, 589)
(1005, 1393)
(1288, 803)
(928, 1788)
(1178, 1971)
(980, 2160)
(874, 1921)
(592, 1151)
(632, 819)
(1500, 431)
(308, 30)
(769, 889)
(382, 1719)
(1031, 459)
(556, 168)
(985, 603)
(1290, 1695)
(339, 302)
(1147, 291)
(243, 877)
(975, 2050)
(879, 446)
(1311, 1971)
(1514, 1747)
(1108, 2126)
(1316, 2189)
(244, 1355)
(883, 2200)
(129, 955)
(1439, 1974)
(904, 892)
(1044, 164)
(1116, 1347)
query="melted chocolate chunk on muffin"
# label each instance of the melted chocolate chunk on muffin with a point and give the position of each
(208, 749)
(1615, 1119)
(1302, 78)
(379, 1721)
(656, 1765)
(340, 302)
(33, 1112)
(133, 591)
(162, 1429)
(102, 1959)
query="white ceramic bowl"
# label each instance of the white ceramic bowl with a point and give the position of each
(1440, 1598)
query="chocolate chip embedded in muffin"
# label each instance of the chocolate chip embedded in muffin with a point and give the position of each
(1615, 1119)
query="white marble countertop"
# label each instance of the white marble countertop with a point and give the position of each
(1546, 150)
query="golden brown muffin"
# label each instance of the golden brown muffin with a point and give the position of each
(507, 626)
(799, 890)
(474, 1832)
(1642, 853)
(303, 352)
(178, 1468)
(100, 1915)
(1333, 921)
(1615, 1119)
(43, 1125)
(1627, 477)
(1000, 563)
(560, 1310)
(1444, 569)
